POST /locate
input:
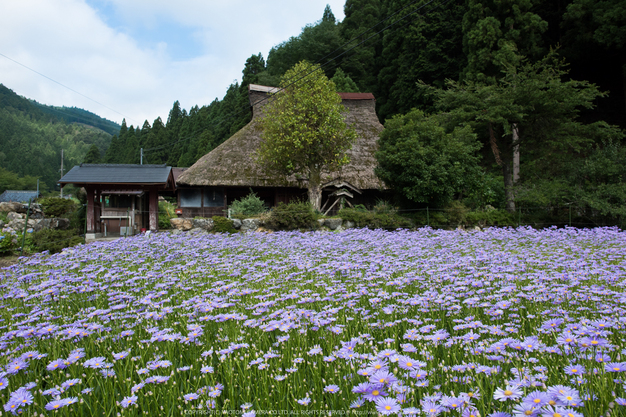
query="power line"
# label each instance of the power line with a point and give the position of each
(64, 86)
(231, 116)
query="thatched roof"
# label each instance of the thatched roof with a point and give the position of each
(233, 163)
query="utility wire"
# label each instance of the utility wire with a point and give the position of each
(63, 85)
(231, 116)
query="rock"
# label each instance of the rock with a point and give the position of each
(181, 223)
(42, 224)
(1, 224)
(60, 223)
(250, 225)
(333, 224)
(176, 232)
(18, 224)
(262, 229)
(477, 229)
(320, 223)
(15, 207)
(198, 231)
(349, 225)
(205, 224)
(237, 223)
(15, 216)
(339, 229)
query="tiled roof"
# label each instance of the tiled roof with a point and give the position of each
(17, 196)
(356, 96)
(117, 174)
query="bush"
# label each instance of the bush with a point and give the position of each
(490, 218)
(166, 212)
(384, 218)
(223, 225)
(456, 213)
(8, 243)
(250, 205)
(57, 207)
(53, 240)
(292, 216)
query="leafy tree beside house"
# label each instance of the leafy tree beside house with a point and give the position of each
(425, 162)
(304, 131)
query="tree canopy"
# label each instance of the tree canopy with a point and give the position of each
(424, 162)
(304, 131)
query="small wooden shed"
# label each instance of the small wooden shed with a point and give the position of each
(121, 198)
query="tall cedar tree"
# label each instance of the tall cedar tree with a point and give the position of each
(360, 63)
(425, 46)
(304, 131)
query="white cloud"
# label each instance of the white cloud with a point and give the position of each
(69, 41)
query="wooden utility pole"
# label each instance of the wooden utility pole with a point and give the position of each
(61, 171)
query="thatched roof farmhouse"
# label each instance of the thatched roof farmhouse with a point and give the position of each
(230, 170)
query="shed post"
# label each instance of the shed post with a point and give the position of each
(90, 211)
(153, 205)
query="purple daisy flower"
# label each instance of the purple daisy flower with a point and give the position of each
(387, 406)
(510, 393)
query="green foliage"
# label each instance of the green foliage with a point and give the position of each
(533, 99)
(304, 131)
(423, 162)
(383, 218)
(489, 190)
(31, 141)
(255, 65)
(93, 155)
(456, 212)
(318, 41)
(292, 216)
(54, 240)
(57, 207)
(500, 33)
(492, 217)
(223, 225)
(360, 63)
(167, 211)
(428, 48)
(250, 205)
(343, 82)
(8, 243)
(12, 181)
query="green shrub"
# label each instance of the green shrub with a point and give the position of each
(250, 205)
(456, 213)
(166, 212)
(384, 218)
(57, 207)
(53, 240)
(8, 243)
(223, 225)
(491, 217)
(292, 216)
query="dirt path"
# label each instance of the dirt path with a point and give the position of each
(7, 261)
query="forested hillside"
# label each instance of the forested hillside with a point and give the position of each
(32, 136)
(425, 41)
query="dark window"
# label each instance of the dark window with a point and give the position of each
(118, 201)
(214, 197)
(190, 198)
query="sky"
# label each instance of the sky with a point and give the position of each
(134, 58)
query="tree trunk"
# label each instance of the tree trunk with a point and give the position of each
(315, 188)
(508, 186)
(515, 154)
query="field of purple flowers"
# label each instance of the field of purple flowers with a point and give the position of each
(499, 323)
